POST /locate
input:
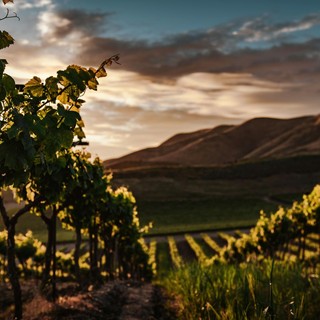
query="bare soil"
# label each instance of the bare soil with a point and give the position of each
(116, 300)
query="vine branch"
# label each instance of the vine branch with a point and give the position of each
(26, 208)
(4, 213)
(7, 16)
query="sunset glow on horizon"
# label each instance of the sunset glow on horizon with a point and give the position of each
(183, 68)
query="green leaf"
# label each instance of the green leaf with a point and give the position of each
(13, 131)
(5, 39)
(52, 88)
(18, 99)
(69, 96)
(3, 92)
(65, 137)
(58, 139)
(28, 145)
(34, 87)
(8, 83)
(13, 152)
(71, 76)
(63, 80)
(71, 118)
(62, 162)
(39, 130)
(61, 110)
(3, 63)
(84, 74)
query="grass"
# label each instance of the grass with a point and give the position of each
(163, 260)
(185, 199)
(174, 216)
(243, 291)
(215, 213)
(242, 170)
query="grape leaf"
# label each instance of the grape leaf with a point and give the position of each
(101, 73)
(8, 83)
(5, 39)
(71, 118)
(3, 63)
(3, 92)
(34, 87)
(52, 88)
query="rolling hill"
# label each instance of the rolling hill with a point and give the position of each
(222, 176)
(256, 139)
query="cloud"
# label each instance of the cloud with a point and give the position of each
(31, 4)
(185, 82)
(114, 130)
(59, 25)
(53, 39)
(130, 111)
(226, 95)
(224, 48)
(114, 127)
(126, 109)
(34, 60)
(164, 61)
(260, 29)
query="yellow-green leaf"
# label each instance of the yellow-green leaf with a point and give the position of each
(79, 133)
(64, 97)
(80, 123)
(34, 87)
(93, 84)
(101, 73)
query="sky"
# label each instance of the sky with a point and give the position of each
(185, 65)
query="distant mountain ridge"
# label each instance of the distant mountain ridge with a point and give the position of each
(255, 139)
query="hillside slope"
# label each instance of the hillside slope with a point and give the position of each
(252, 140)
(224, 176)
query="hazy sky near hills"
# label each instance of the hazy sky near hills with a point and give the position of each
(185, 65)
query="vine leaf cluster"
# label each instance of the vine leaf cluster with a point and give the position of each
(37, 128)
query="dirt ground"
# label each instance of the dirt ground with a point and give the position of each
(116, 300)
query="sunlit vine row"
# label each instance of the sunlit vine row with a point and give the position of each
(198, 251)
(210, 242)
(152, 256)
(174, 253)
(226, 237)
(275, 235)
(30, 253)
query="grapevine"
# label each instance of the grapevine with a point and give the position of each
(174, 253)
